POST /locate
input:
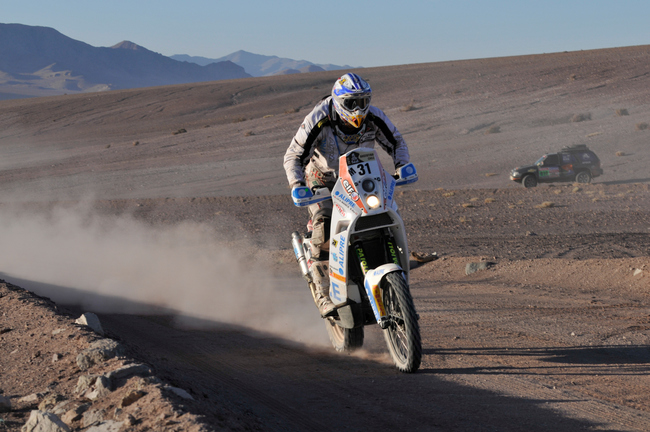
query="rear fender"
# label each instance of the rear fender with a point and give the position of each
(371, 283)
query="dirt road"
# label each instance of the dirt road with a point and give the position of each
(553, 337)
(498, 355)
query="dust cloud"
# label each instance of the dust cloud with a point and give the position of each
(116, 264)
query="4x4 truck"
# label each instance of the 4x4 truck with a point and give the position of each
(571, 164)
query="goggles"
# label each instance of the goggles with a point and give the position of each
(354, 103)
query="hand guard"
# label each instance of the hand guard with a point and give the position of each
(406, 174)
(301, 195)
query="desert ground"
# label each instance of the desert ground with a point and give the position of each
(165, 211)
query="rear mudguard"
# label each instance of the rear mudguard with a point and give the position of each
(371, 283)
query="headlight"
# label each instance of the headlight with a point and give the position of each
(372, 201)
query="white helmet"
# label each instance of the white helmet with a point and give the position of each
(351, 96)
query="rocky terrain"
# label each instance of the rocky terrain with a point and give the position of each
(165, 212)
(71, 378)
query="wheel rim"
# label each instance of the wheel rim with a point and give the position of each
(529, 182)
(582, 177)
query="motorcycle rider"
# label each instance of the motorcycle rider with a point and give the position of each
(341, 122)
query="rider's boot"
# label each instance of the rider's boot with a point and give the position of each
(320, 273)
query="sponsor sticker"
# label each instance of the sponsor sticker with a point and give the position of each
(338, 277)
(350, 190)
(372, 298)
(346, 199)
(353, 158)
(391, 189)
(335, 292)
(376, 293)
(393, 253)
(342, 246)
(362, 260)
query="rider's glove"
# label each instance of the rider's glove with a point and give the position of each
(396, 175)
(301, 194)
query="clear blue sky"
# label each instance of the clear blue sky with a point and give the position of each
(358, 33)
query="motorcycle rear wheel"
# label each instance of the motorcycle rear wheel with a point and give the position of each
(343, 339)
(403, 332)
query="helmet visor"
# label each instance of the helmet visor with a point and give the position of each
(353, 103)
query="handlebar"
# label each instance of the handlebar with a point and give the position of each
(303, 196)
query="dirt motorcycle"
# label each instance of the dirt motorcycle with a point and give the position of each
(368, 258)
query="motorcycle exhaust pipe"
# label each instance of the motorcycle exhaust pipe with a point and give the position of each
(299, 252)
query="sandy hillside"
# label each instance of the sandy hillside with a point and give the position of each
(165, 211)
(86, 144)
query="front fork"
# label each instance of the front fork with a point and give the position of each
(372, 279)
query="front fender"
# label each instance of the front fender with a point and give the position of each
(371, 284)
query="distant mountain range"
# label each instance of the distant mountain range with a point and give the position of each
(260, 65)
(40, 61)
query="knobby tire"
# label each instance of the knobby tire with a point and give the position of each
(403, 333)
(344, 340)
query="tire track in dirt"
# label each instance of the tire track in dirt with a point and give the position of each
(604, 415)
(517, 339)
(281, 387)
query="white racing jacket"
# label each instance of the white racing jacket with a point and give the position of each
(317, 141)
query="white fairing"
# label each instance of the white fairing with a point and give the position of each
(361, 176)
(363, 189)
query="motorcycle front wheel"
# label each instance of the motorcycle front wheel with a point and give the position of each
(403, 332)
(343, 339)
